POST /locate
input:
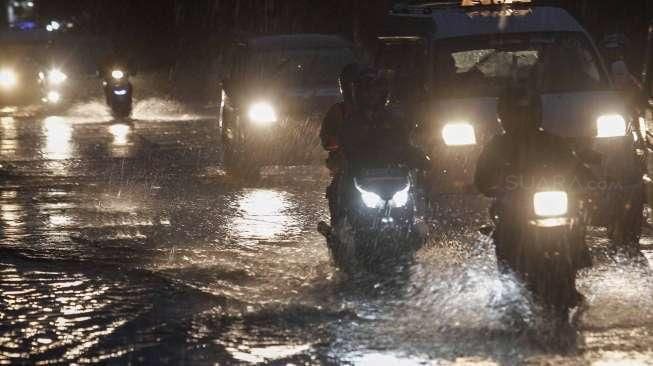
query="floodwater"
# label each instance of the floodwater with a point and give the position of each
(126, 242)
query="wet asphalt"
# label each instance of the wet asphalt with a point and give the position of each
(125, 242)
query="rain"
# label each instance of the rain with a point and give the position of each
(165, 182)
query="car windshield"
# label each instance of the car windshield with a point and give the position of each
(301, 66)
(553, 63)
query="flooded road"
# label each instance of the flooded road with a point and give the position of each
(127, 243)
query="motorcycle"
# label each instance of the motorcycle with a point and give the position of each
(381, 216)
(118, 92)
(539, 234)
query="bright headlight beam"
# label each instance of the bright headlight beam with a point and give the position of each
(610, 125)
(56, 76)
(459, 134)
(551, 204)
(8, 78)
(262, 113)
(117, 74)
(370, 199)
(400, 199)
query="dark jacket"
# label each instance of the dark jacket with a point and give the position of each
(510, 162)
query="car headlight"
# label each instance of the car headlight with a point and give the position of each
(400, 199)
(117, 74)
(262, 113)
(370, 199)
(459, 134)
(611, 125)
(551, 204)
(8, 78)
(56, 77)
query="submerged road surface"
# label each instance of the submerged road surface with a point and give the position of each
(126, 243)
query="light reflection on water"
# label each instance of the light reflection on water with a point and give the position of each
(120, 133)
(58, 138)
(264, 215)
(9, 135)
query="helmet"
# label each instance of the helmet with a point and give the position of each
(519, 110)
(363, 87)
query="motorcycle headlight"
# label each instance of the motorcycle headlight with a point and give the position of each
(8, 78)
(262, 113)
(370, 199)
(400, 199)
(459, 134)
(117, 74)
(611, 125)
(551, 204)
(56, 77)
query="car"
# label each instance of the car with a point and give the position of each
(275, 91)
(453, 61)
(27, 74)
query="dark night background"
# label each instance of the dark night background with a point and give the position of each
(186, 37)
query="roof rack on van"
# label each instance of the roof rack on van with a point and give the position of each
(422, 7)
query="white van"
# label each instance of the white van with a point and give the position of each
(452, 61)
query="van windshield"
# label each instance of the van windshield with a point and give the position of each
(301, 67)
(550, 62)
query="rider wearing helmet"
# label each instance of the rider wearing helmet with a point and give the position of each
(509, 156)
(614, 47)
(362, 122)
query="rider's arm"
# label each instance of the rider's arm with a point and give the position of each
(331, 128)
(487, 178)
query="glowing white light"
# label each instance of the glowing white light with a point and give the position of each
(55, 25)
(120, 133)
(262, 113)
(611, 125)
(55, 76)
(550, 204)
(49, 28)
(370, 199)
(400, 199)
(459, 134)
(120, 92)
(53, 97)
(117, 74)
(8, 78)
(58, 133)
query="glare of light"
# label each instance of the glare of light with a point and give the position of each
(400, 199)
(30, 4)
(58, 134)
(611, 125)
(8, 78)
(120, 92)
(550, 204)
(49, 28)
(56, 76)
(117, 74)
(53, 97)
(263, 214)
(370, 199)
(55, 25)
(120, 133)
(459, 134)
(262, 113)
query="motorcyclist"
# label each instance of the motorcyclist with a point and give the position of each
(363, 122)
(510, 158)
(511, 155)
(614, 48)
